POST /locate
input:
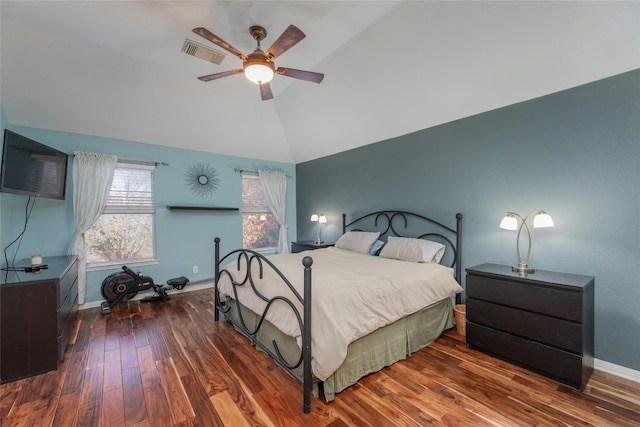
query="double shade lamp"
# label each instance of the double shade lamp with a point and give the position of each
(513, 221)
(320, 219)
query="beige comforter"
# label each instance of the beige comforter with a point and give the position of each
(353, 294)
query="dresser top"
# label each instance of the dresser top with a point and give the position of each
(540, 276)
(56, 267)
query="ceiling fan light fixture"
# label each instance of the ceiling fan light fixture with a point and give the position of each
(258, 66)
(258, 70)
(258, 73)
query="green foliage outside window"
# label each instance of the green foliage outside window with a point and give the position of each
(260, 230)
(120, 237)
(259, 227)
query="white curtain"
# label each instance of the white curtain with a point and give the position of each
(274, 185)
(92, 177)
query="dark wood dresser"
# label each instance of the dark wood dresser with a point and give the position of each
(542, 321)
(37, 313)
(307, 245)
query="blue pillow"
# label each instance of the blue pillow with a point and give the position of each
(375, 248)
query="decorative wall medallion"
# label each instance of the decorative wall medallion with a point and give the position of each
(202, 179)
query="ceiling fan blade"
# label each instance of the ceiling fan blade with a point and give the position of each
(309, 76)
(215, 76)
(265, 92)
(286, 41)
(203, 32)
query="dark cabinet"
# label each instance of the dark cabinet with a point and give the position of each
(307, 245)
(542, 321)
(37, 312)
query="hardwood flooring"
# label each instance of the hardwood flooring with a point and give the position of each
(170, 364)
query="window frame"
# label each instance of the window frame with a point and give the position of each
(105, 265)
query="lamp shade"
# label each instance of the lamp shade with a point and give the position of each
(314, 218)
(322, 219)
(542, 220)
(509, 222)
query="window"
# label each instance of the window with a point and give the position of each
(124, 233)
(259, 227)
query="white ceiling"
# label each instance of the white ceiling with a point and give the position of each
(115, 68)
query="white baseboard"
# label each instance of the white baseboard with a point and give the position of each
(617, 370)
(205, 284)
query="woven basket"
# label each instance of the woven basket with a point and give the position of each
(460, 311)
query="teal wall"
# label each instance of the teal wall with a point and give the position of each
(575, 153)
(183, 239)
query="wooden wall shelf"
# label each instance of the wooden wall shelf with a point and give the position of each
(201, 208)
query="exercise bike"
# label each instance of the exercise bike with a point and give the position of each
(122, 286)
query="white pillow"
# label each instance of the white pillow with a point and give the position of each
(357, 241)
(414, 250)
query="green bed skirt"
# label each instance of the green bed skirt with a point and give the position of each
(368, 354)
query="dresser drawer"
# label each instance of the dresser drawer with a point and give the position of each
(548, 330)
(67, 327)
(67, 282)
(552, 301)
(69, 306)
(558, 364)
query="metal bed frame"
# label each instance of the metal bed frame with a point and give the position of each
(386, 221)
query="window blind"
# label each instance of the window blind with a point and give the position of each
(253, 198)
(132, 190)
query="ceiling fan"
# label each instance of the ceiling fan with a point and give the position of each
(258, 66)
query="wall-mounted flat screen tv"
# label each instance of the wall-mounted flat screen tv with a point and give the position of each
(31, 168)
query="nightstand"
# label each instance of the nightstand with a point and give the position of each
(308, 245)
(542, 321)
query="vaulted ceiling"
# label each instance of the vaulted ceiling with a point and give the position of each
(115, 69)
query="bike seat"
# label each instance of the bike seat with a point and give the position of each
(178, 282)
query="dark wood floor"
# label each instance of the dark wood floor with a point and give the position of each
(170, 364)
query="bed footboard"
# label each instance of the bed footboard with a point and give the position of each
(251, 258)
